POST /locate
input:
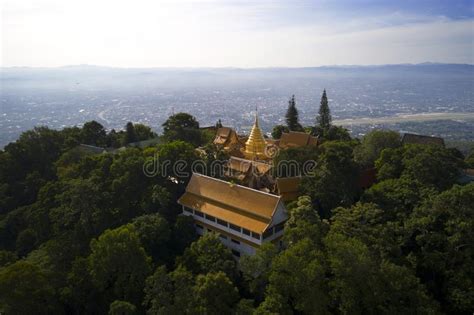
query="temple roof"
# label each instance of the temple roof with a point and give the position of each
(223, 135)
(239, 205)
(243, 165)
(288, 187)
(296, 139)
(421, 139)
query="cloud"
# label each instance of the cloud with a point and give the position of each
(215, 33)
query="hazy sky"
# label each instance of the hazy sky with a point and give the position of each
(179, 33)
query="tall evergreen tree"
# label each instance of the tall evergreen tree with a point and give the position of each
(324, 118)
(130, 134)
(292, 116)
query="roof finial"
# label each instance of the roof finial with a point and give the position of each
(256, 115)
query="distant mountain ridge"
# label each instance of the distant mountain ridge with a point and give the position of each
(98, 67)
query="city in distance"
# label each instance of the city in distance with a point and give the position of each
(429, 98)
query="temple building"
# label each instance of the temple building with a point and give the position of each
(256, 144)
(249, 173)
(288, 187)
(243, 170)
(410, 138)
(244, 217)
(295, 139)
(229, 141)
(226, 137)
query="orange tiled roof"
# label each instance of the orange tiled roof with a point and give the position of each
(296, 139)
(239, 205)
(288, 187)
(223, 134)
(243, 165)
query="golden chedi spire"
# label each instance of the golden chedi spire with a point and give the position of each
(255, 145)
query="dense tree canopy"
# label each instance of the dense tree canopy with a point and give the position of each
(373, 143)
(332, 182)
(119, 265)
(90, 232)
(429, 164)
(25, 289)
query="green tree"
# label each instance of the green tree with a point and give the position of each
(159, 292)
(93, 133)
(113, 139)
(183, 282)
(245, 307)
(119, 264)
(122, 308)
(394, 289)
(298, 281)
(372, 226)
(256, 268)
(182, 126)
(389, 164)
(215, 293)
(80, 293)
(430, 165)
(183, 234)
(80, 210)
(154, 233)
(130, 134)
(292, 116)
(143, 132)
(278, 130)
(25, 289)
(304, 222)
(372, 145)
(27, 164)
(470, 159)
(295, 161)
(331, 183)
(7, 258)
(208, 254)
(173, 153)
(25, 242)
(442, 233)
(324, 117)
(169, 293)
(336, 133)
(397, 197)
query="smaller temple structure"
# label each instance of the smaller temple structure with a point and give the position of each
(243, 170)
(288, 187)
(295, 139)
(410, 138)
(226, 137)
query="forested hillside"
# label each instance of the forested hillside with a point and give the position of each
(88, 233)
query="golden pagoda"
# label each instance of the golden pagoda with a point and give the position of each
(255, 145)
